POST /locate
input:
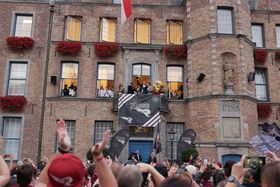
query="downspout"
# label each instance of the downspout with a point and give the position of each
(51, 9)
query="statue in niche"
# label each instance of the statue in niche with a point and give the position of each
(228, 74)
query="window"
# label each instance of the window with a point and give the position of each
(99, 128)
(225, 21)
(69, 79)
(174, 32)
(11, 132)
(17, 78)
(117, 1)
(141, 74)
(23, 25)
(142, 31)
(73, 28)
(105, 80)
(278, 35)
(175, 82)
(261, 84)
(71, 128)
(108, 30)
(179, 129)
(257, 35)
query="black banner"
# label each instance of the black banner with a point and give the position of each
(272, 130)
(157, 142)
(118, 142)
(139, 109)
(186, 140)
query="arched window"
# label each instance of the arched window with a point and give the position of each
(141, 74)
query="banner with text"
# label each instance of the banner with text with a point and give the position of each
(139, 109)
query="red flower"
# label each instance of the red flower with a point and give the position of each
(68, 48)
(260, 56)
(12, 103)
(176, 52)
(19, 43)
(106, 49)
(264, 110)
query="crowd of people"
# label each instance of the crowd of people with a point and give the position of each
(65, 169)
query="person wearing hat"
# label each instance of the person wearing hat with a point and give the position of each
(67, 170)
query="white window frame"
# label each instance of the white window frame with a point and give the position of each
(225, 20)
(16, 15)
(19, 138)
(17, 79)
(258, 34)
(176, 127)
(277, 35)
(264, 71)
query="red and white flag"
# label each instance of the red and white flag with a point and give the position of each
(126, 11)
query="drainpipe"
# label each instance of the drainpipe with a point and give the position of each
(51, 9)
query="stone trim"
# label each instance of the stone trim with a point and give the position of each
(222, 144)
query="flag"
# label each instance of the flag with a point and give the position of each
(157, 143)
(119, 141)
(186, 140)
(126, 10)
(139, 109)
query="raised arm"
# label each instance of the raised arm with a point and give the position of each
(4, 169)
(105, 175)
(64, 145)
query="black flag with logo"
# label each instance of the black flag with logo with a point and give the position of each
(118, 142)
(157, 143)
(139, 109)
(186, 140)
(272, 130)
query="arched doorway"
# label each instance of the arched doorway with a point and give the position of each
(233, 157)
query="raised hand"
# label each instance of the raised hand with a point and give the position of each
(99, 147)
(62, 135)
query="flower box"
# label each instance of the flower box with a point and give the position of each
(12, 103)
(68, 48)
(19, 43)
(176, 52)
(260, 56)
(106, 49)
(277, 56)
(264, 110)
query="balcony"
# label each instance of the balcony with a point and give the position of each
(164, 110)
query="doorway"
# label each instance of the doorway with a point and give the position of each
(145, 148)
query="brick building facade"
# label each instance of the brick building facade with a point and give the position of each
(221, 106)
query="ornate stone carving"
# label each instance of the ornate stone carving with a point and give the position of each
(230, 106)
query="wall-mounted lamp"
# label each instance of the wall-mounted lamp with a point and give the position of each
(200, 77)
(53, 80)
(251, 76)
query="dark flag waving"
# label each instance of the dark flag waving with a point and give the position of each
(139, 109)
(118, 142)
(157, 143)
(185, 141)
